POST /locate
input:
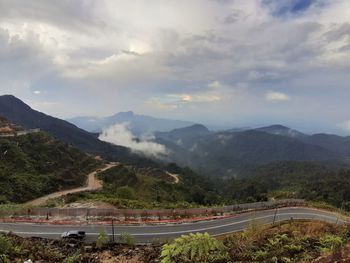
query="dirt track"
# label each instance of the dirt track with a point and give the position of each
(91, 184)
(175, 176)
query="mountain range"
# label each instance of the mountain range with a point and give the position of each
(218, 154)
(139, 125)
(233, 153)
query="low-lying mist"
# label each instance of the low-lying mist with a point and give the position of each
(120, 134)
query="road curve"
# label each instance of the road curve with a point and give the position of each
(92, 183)
(174, 176)
(153, 233)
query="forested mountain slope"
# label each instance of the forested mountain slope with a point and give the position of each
(37, 164)
(19, 113)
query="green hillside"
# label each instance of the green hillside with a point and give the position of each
(306, 180)
(36, 164)
(128, 186)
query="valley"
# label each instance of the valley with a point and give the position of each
(60, 166)
(238, 165)
(234, 153)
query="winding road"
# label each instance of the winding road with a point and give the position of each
(175, 176)
(153, 233)
(92, 183)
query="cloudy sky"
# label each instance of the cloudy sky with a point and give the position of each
(221, 62)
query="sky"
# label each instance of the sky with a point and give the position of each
(225, 63)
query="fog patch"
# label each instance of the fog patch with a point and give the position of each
(120, 134)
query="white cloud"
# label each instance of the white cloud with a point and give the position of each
(276, 96)
(119, 134)
(215, 85)
(37, 92)
(195, 98)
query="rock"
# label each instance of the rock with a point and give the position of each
(72, 245)
(88, 249)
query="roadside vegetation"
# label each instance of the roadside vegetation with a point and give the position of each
(295, 241)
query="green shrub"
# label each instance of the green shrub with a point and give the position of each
(259, 254)
(102, 239)
(126, 192)
(7, 248)
(330, 242)
(128, 239)
(194, 248)
(72, 259)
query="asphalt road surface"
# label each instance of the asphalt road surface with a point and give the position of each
(154, 233)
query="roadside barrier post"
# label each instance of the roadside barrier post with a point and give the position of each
(274, 217)
(113, 230)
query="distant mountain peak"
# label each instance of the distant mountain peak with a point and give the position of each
(184, 136)
(125, 114)
(278, 129)
(198, 127)
(12, 103)
(138, 124)
(9, 97)
(194, 129)
(277, 126)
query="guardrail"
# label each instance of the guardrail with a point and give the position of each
(125, 214)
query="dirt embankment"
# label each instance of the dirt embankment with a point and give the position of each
(50, 251)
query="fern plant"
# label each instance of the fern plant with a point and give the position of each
(194, 248)
(330, 242)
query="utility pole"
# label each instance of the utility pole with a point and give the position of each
(274, 217)
(113, 230)
(339, 214)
